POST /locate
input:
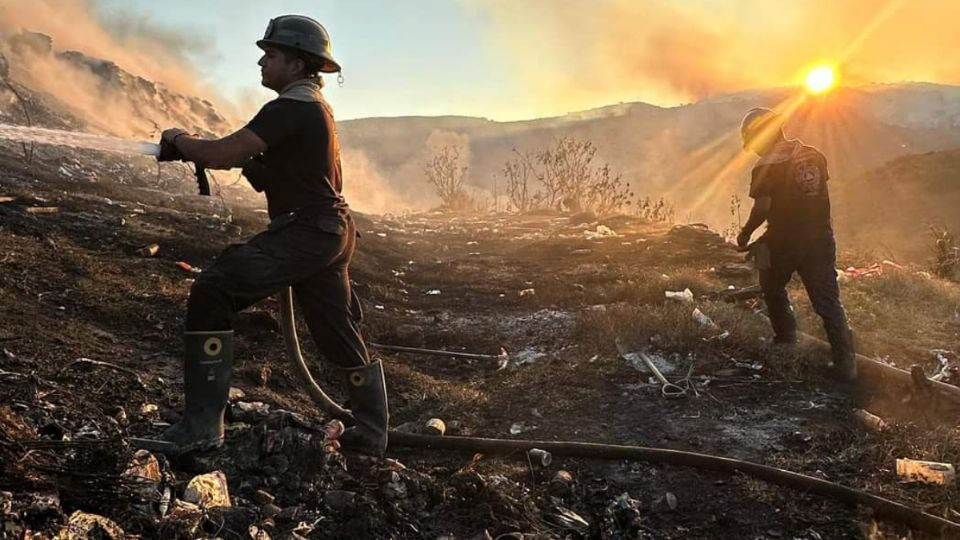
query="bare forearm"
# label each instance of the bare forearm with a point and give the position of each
(229, 152)
(758, 214)
(208, 154)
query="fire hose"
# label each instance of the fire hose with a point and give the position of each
(807, 484)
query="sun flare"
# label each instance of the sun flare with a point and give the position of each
(821, 79)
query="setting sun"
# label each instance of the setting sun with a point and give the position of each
(821, 79)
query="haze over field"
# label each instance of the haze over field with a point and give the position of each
(661, 105)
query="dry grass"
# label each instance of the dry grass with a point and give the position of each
(899, 315)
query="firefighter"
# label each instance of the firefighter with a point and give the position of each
(291, 153)
(789, 189)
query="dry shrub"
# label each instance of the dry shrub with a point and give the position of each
(568, 180)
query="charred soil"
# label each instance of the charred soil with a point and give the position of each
(90, 338)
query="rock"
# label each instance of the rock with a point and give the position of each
(208, 490)
(236, 394)
(83, 526)
(339, 500)
(270, 510)
(229, 518)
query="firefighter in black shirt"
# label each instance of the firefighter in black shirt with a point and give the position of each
(289, 151)
(789, 188)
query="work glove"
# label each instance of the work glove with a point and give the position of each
(168, 147)
(743, 239)
(170, 135)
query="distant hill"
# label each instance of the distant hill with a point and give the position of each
(677, 151)
(72, 89)
(894, 205)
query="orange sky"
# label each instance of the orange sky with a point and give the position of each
(510, 59)
(576, 54)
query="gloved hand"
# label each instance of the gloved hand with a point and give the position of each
(743, 239)
(170, 135)
(168, 148)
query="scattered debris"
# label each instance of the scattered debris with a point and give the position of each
(208, 490)
(149, 251)
(144, 465)
(518, 427)
(707, 322)
(539, 458)
(664, 365)
(251, 412)
(433, 292)
(82, 526)
(435, 426)
(561, 484)
(527, 292)
(870, 420)
(928, 472)
(622, 518)
(685, 295)
(42, 209)
(527, 356)
(186, 267)
(876, 269)
(568, 519)
(602, 231)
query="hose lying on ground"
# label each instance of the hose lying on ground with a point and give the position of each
(800, 482)
(882, 507)
(289, 326)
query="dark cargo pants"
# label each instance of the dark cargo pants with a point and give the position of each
(303, 250)
(815, 262)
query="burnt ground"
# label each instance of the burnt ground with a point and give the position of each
(74, 286)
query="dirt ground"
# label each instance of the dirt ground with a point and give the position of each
(555, 291)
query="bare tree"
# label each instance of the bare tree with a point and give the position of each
(517, 174)
(446, 173)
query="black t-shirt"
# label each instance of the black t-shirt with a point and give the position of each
(794, 176)
(302, 161)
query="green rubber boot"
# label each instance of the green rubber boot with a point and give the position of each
(368, 403)
(207, 366)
